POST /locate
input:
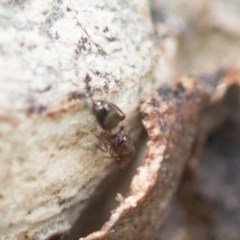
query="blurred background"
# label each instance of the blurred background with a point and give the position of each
(207, 205)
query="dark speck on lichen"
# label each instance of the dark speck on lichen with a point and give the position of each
(105, 29)
(83, 46)
(76, 95)
(105, 87)
(57, 36)
(36, 109)
(112, 39)
(45, 12)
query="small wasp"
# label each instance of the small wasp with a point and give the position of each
(118, 145)
(108, 116)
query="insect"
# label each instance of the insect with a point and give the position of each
(118, 145)
(107, 114)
